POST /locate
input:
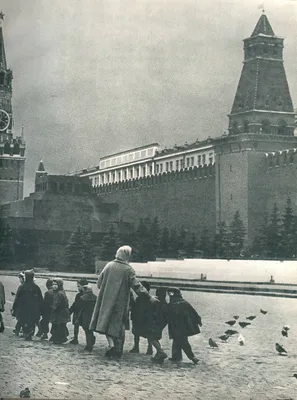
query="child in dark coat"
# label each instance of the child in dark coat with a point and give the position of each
(183, 321)
(158, 321)
(60, 313)
(46, 310)
(76, 307)
(140, 309)
(88, 301)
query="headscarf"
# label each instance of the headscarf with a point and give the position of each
(124, 253)
(22, 276)
(59, 282)
(49, 283)
(29, 275)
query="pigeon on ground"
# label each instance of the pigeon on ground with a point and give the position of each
(224, 338)
(212, 343)
(25, 393)
(263, 311)
(231, 323)
(251, 317)
(12, 293)
(280, 348)
(295, 376)
(244, 324)
(241, 340)
(235, 316)
(230, 332)
(285, 330)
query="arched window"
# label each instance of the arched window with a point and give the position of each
(7, 148)
(265, 125)
(282, 127)
(245, 126)
(235, 129)
(16, 149)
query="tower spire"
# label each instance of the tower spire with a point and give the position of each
(263, 102)
(3, 64)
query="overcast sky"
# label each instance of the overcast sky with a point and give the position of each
(93, 77)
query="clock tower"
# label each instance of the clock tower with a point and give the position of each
(12, 149)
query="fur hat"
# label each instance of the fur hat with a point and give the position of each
(83, 282)
(174, 290)
(147, 285)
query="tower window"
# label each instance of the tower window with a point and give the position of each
(203, 159)
(265, 125)
(246, 126)
(282, 127)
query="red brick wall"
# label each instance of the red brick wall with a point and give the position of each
(178, 199)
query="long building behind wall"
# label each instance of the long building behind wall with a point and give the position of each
(200, 184)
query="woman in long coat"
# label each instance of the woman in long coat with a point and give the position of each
(27, 305)
(60, 313)
(112, 306)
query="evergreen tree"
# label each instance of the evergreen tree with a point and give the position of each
(191, 245)
(237, 234)
(110, 243)
(204, 243)
(74, 250)
(165, 242)
(274, 233)
(6, 246)
(221, 241)
(173, 244)
(182, 239)
(260, 246)
(88, 260)
(288, 239)
(143, 246)
(154, 237)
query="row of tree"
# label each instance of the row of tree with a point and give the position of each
(277, 237)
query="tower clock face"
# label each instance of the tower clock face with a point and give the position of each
(4, 120)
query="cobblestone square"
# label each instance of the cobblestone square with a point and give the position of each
(252, 371)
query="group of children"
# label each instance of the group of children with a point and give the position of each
(148, 319)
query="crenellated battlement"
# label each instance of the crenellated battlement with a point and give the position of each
(280, 158)
(201, 172)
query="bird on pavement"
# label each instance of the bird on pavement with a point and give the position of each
(251, 317)
(12, 293)
(280, 349)
(25, 393)
(224, 338)
(241, 340)
(244, 324)
(295, 375)
(231, 323)
(235, 316)
(230, 332)
(212, 343)
(285, 330)
(263, 311)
